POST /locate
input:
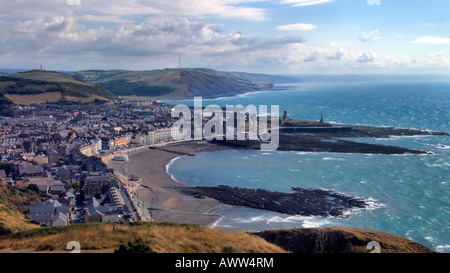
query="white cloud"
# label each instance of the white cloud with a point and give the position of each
(154, 41)
(336, 55)
(300, 26)
(433, 40)
(371, 36)
(366, 57)
(122, 8)
(302, 3)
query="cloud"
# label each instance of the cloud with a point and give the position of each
(371, 36)
(57, 24)
(336, 55)
(432, 40)
(125, 8)
(302, 3)
(153, 42)
(300, 26)
(366, 57)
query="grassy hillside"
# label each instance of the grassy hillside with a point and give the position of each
(13, 202)
(162, 238)
(176, 83)
(187, 238)
(339, 240)
(46, 86)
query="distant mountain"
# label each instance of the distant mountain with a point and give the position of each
(38, 86)
(178, 83)
(9, 71)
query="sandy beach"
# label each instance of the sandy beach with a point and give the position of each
(157, 191)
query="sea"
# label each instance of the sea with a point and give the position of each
(409, 195)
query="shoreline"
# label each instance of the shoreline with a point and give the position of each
(159, 194)
(161, 198)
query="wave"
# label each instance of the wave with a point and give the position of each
(372, 204)
(213, 225)
(443, 248)
(315, 223)
(168, 169)
(333, 158)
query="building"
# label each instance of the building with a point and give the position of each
(68, 171)
(96, 185)
(40, 159)
(107, 143)
(47, 185)
(91, 212)
(17, 113)
(50, 213)
(53, 156)
(31, 170)
(96, 212)
(120, 142)
(3, 176)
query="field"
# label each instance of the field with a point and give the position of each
(31, 99)
(38, 86)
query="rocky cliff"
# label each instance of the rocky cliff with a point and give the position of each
(339, 240)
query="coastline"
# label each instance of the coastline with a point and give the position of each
(159, 194)
(160, 198)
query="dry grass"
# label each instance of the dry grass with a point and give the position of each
(162, 238)
(14, 220)
(31, 99)
(389, 243)
(88, 99)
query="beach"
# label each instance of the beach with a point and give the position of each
(158, 193)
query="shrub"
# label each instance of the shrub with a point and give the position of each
(138, 247)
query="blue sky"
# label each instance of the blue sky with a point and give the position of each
(278, 37)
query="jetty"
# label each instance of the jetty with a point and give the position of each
(170, 151)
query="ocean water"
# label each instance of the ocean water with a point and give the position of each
(409, 194)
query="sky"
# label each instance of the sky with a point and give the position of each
(275, 37)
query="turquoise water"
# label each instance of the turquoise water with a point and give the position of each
(409, 194)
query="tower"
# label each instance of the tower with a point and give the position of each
(321, 117)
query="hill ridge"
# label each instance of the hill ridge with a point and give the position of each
(48, 86)
(177, 83)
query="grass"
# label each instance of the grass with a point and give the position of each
(43, 86)
(389, 243)
(49, 76)
(30, 99)
(161, 237)
(171, 83)
(13, 220)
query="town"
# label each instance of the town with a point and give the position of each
(60, 150)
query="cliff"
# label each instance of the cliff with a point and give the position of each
(339, 240)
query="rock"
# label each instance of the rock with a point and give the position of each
(339, 240)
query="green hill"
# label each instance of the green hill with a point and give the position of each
(177, 83)
(38, 86)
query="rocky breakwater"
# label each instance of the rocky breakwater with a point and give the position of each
(307, 202)
(332, 139)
